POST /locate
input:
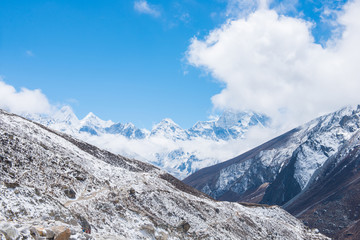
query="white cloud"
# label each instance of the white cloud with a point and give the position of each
(29, 53)
(208, 151)
(241, 8)
(144, 7)
(23, 101)
(270, 64)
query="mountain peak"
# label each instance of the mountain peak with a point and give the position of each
(66, 111)
(168, 121)
(91, 115)
(66, 114)
(169, 129)
(91, 120)
(230, 118)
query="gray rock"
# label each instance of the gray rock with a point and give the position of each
(87, 236)
(2, 236)
(70, 193)
(9, 231)
(50, 233)
(9, 184)
(34, 233)
(184, 226)
(61, 232)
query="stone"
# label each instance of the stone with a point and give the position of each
(70, 193)
(184, 226)
(50, 233)
(41, 230)
(61, 232)
(132, 191)
(37, 191)
(80, 177)
(9, 231)
(87, 236)
(11, 184)
(149, 229)
(35, 232)
(2, 236)
(162, 236)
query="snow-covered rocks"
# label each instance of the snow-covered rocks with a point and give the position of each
(8, 231)
(115, 197)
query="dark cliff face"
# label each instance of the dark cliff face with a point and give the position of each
(331, 202)
(209, 176)
(285, 186)
(285, 163)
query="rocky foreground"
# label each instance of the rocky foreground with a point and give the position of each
(55, 187)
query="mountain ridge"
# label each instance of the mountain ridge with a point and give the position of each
(307, 142)
(51, 180)
(313, 171)
(170, 147)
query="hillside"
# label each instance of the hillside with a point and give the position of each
(50, 180)
(312, 171)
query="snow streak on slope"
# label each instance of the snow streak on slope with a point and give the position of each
(48, 178)
(287, 162)
(178, 151)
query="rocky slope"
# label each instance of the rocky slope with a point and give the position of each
(331, 200)
(279, 169)
(312, 171)
(167, 145)
(51, 181)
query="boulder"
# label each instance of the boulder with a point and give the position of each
(50, 234)
(37, 231)
(70, 193)
(10, 184)
(2, 236)
(61, 232)
(184, 226)
(9, 231)
(162, 236)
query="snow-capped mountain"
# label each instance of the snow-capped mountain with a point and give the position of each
(167, 128)
(230, 125)
(93, 124)
(56, 187)
(330, 200)
(63, 120)
(127, 130)
(298, 169)
(167, 144)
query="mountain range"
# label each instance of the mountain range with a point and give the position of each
(56, 187)
(169, 146)
(312, 171)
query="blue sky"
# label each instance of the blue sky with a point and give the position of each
(126, 60)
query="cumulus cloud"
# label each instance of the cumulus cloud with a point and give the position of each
(145, 8)
(23, 101)
(271, 64)
(241, 8)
